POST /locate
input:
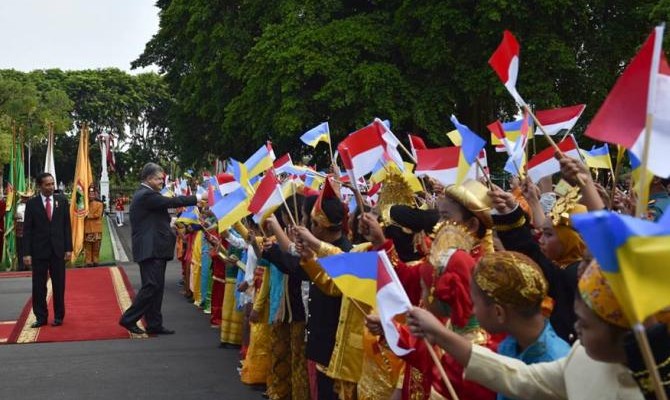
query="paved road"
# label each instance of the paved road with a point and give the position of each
(187, 365)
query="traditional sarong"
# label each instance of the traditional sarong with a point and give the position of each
(288, 374)
(205, 276)
(380, 372)
(196, 259)
(218, 290)
(231, 318)
(256, 365)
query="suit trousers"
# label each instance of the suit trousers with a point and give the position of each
(149, 299)
(42, 270)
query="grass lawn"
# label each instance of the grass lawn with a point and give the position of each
(106, 252)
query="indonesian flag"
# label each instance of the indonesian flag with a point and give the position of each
(544, 163)
(505, 62)
(227, 183)
(416, 142)
(484, 162)
(497, 130)
(439, 163)
(267, 195)
(283, 164)
(391, 142)
(558, 119)
(392, 300)
(642, 90)
(364, 148)
(111, 160)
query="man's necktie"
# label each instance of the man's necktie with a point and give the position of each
(48, 208)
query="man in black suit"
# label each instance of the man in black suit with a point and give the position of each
(153, 245)
(47, 244)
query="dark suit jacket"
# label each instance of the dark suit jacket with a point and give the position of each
(42, 237)
(150, 222)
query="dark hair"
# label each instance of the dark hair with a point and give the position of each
(307, 206)
(467, 214)
(41, 177)
(356, 237)
(296, 199)
(150, 169)
(336, 212)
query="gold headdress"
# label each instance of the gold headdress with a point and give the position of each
(511, 278)
(566, 205)
(395, 190)
(449, 235)
(472, 195)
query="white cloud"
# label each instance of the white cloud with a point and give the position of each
(74, 34)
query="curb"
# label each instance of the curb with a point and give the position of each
(119, 253)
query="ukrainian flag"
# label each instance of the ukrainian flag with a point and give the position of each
(598, 157)
(231, 208)
(634, 255)
(320, 133)
(512, 131)
(190, 215)
(313, 181)
(471, 145)
(355, 274)
(260, 161)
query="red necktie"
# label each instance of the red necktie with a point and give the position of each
(48, 208)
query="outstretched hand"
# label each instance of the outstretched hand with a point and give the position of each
(369, 227)
(374, 324)
(504, 202)
(305, 236)
(422, 323)
(573, 171)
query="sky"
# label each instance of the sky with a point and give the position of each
(75, 34)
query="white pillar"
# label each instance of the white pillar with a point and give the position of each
(104, 178)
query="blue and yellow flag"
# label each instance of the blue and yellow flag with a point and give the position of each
(471, 145)
(355, 274)
(261, 160)
(634, 255)
(232, 208)
(320, 133)
(513, 129)
(191, 215)
(598, 157)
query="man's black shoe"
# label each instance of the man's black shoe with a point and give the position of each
(57, 322)
(132, 328)
(37, 324)
(160, 331)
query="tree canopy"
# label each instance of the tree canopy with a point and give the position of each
(271, 70)
(133, 107)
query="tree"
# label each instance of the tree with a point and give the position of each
(263, 70)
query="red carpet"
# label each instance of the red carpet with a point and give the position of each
(94, 301)
(6, 329)
(16, 274)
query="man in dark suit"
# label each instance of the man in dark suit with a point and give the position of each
(47, 244)
(153, 245)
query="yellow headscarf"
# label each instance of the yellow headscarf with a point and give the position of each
(598, 296)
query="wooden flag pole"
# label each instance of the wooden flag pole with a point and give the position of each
(648, 357)
(617, 167)
(288, 209)
(643, 196)
(354, 184)
(486, 176)
(295, 201)
(440, 368)
(539, 125)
